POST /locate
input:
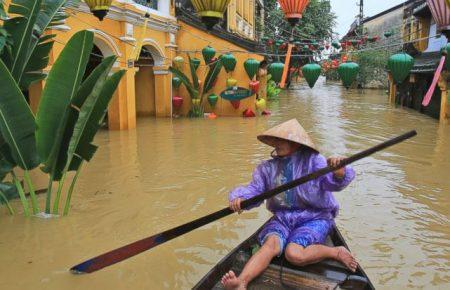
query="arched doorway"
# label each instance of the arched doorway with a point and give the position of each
(146, 92)
(145, 84)
(95, 58)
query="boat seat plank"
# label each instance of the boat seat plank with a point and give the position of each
(270, 279)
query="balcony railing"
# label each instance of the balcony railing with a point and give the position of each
(148, 3)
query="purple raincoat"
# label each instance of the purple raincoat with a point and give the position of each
(311, 201)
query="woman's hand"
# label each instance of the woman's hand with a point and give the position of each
(335, 162)
(235, 205)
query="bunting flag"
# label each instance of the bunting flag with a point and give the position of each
(429, 95)
(137, 49)
(286, 66)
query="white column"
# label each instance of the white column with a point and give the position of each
(164, 6)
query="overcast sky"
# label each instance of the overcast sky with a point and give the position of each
(346, 10)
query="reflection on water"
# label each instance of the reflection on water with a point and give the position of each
(395, 215)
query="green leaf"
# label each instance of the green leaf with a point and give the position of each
(91, 115)
(62, 85)
(212, 76)
(21, 30)
(5, 167)
(187, 83)
(17, 124)
(38, 61)
(3, 15)
(193, 73)
(101, 71)
(9, 191)
(49, 14)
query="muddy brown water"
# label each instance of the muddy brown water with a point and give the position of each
(395, 215)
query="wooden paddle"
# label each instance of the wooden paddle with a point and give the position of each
(138, 247)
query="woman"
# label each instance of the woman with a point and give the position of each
(302, 216)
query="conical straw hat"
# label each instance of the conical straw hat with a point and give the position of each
(290, 131)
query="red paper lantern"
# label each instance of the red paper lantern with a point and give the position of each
(177, 102)
(248, 113)
(254, 86)
(293, 9)
(235, 104)
(441, 14)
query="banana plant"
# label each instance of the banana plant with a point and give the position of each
(197, 93)
(26, 53)
(69, 115)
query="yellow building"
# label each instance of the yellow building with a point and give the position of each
(146, 89)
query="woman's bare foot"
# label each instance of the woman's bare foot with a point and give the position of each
(345, 257)
(231, 282)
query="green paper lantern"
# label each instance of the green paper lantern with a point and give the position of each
(348, 72)
(176, 82)
(336, 44)
(178, 62)
(229, 62)
(311, 72)
(196, 63)
(276, 70)
(388, 34)
(251, 66)
(212, 100)
(208, 54)
(400, 66)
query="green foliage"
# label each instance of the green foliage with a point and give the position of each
(273, 91)
(70, 114)
(28, 49)
(317, 22)
(193, 88)
(17, 124)
(372, 64)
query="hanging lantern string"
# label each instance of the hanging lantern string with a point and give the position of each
(252, 52)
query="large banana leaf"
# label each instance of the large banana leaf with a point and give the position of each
(31, 19)
(9, 191)
(212, 76)
(62, 85)
(90, 118)
(193, 73)
(193, 93)
(3, 15)
(17, 124)
(50, 15)
(86, 88)
(21, 28)
(38, 61)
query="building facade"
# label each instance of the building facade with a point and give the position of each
(424, 43)
(146, 89)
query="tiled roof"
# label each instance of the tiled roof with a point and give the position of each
(426, 62)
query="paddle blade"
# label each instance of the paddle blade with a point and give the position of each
(130, 250)
(117, 255)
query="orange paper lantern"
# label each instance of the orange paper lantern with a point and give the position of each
(293, 9)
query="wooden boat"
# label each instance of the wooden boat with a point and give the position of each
(280, 274)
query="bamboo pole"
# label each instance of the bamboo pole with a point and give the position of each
(392, 89)
(444, 100)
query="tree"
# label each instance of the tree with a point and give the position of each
(317, 23)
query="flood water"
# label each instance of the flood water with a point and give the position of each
(395, 215)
